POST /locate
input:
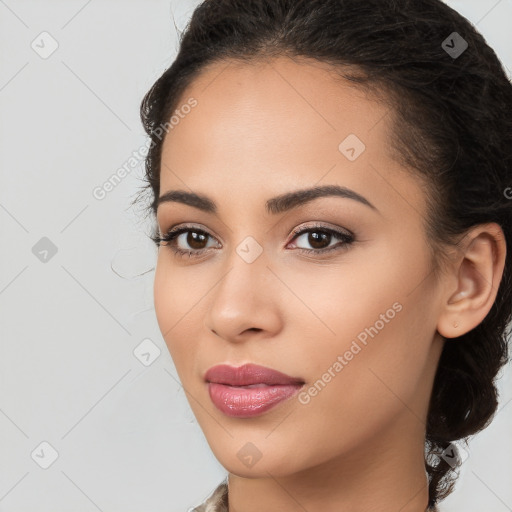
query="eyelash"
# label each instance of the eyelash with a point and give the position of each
(169, 239)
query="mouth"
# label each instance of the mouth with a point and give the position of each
(249, 390)
(250, 386)
(249, 375)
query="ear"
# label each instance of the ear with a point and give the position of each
(474, 280)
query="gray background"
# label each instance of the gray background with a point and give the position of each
(70, 322)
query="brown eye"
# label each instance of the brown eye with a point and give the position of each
(186, 241)
(320, 238)
(196, 239)
(317, 239)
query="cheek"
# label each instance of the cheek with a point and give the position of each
(176, 301)
(176, 291)
(376, 334)
(366, 347)
(350, 402)
(164, 296)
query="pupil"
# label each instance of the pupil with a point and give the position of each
(316, 238)
(193, 238)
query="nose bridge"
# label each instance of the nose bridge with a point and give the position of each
(244, 297)
(246, 276)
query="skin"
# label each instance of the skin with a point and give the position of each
(267, 128)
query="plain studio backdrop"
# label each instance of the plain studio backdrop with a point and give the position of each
(92, 416)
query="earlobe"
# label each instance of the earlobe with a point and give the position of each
(477, 273)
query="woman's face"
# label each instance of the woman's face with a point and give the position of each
(354, 321)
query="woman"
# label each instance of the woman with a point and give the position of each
(329, 183)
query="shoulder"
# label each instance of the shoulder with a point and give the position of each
(216, 502)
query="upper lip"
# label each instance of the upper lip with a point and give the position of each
(248, 374)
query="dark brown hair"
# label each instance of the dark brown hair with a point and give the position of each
(452, 126)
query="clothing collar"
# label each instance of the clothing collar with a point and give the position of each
(218, 501)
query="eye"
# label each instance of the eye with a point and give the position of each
(186, 235)
(320, 238)
(189, 241)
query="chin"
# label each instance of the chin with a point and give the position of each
(243, 459)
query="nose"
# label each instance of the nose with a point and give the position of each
(246, 302)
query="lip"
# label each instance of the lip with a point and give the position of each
(249, 390)
(247, 375)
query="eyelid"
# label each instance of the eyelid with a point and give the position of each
(184, 227)
(297, 230)
(346, 237)
(320, 225)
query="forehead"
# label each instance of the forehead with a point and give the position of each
(273, 124)
(265, 98)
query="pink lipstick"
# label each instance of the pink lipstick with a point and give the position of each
(249, 390)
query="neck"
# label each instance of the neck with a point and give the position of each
(386, 474)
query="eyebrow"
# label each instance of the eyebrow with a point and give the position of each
(275, 205)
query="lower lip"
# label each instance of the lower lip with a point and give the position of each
(248, 402)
